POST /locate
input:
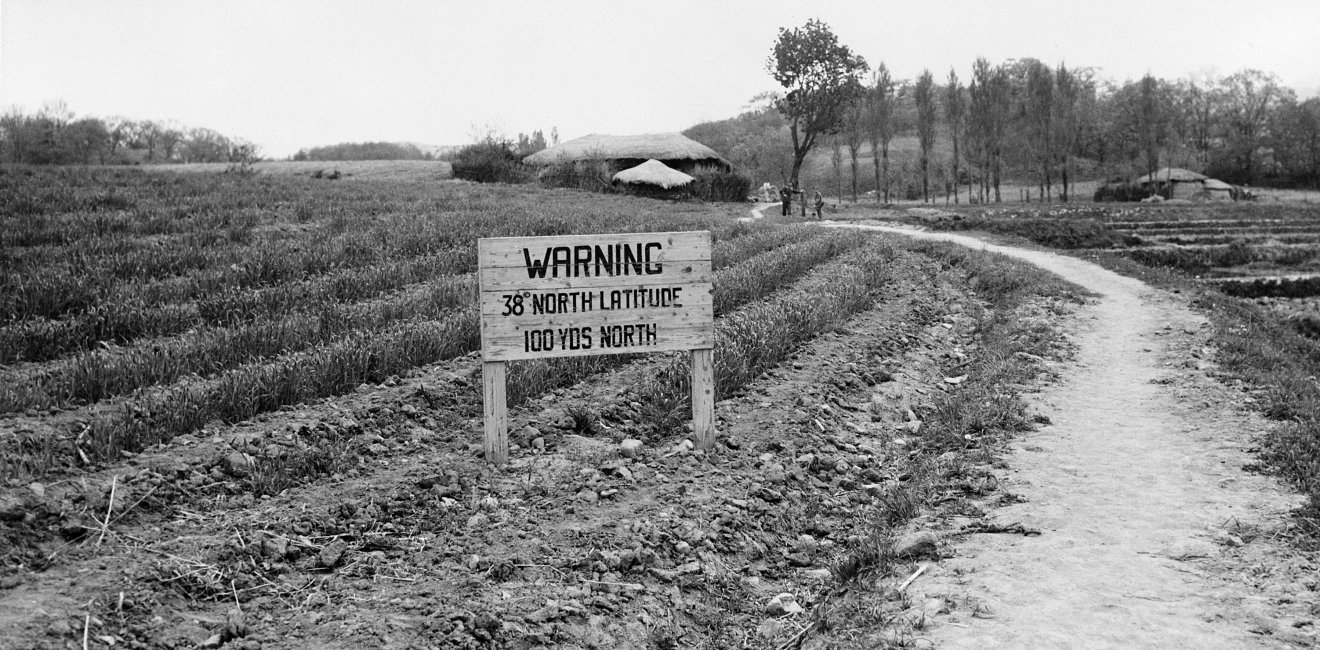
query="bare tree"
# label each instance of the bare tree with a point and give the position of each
(854, 133)
(1039, 105)
(955, 112)
(880, 100)
(924, 96)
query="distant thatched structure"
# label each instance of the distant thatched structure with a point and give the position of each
(1178, 183)
(653, 172)
(1170, 183)
(675, 150)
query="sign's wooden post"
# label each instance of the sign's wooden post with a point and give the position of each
(703, 397)
(580, 295)
(497, 418)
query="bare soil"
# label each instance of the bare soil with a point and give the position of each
(1138, 522)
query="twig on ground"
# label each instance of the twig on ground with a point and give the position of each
(87, 626)
(105, 525)
(920, 570)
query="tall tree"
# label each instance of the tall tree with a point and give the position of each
(924, 96)
(990, 101)
(836, 163)
(854, 134)
(1039, 106)
(955, 113)
(880, 99)
(821, 77)
(1151, 120)
(1069, 91)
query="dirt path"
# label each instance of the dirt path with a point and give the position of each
(1131, 486)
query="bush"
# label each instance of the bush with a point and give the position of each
(489, 162)
(715, 184)
(588, 175)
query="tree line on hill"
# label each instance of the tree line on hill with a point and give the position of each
(54, 135)
(1021, 119)
(364, 151)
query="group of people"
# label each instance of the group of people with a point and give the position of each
(786, 201)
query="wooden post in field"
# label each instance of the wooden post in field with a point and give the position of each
(581, 295)
(703, 397)
(493, 384)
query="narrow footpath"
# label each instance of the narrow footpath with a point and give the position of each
(1138, 490)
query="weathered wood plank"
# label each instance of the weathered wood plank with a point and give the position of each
(703, 397)
(639, 337)
(655, 248)
(515, 278)
(582, 303)
(496, 441)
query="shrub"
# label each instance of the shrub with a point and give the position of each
(589, 175)
(715, 184)
(489, 162)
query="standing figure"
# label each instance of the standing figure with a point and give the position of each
(818, 202)
(786, 200)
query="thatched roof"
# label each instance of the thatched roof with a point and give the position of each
(650, 146)
(1175, 174)
(653, 172)
(1216, 184)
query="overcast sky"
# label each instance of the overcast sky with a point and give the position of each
(295, 74)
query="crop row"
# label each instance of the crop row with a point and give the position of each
(153, 415)
(1203, 258)
(761, 335)
(122, 319)
(96, 375)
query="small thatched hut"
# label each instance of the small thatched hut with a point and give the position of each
(653, 172)
(1178, 183)
(653, 178)
(675, 150)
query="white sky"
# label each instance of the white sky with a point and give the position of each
(295, 74)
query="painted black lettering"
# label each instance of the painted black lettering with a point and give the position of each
(581, 261)
(656, 267)
(561, 256)
(536, 269)
(632, 261)
(604, 257)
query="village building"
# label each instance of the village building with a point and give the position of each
(674, 150)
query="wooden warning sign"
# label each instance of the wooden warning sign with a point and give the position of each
(579, 295)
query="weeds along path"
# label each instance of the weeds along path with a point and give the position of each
(1130, 487)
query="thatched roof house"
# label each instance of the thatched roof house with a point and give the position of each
(1178, 183)
(675, 150)
(653, 172)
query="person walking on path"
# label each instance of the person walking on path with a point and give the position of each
(786, 200)
(818, 202)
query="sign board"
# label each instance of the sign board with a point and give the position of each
(580, 295)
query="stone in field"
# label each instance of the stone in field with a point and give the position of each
(914, 545)
(332, 554)
(237, 464)
(631, 448)
(782, 604)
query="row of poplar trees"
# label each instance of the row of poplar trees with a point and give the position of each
(1038, 119)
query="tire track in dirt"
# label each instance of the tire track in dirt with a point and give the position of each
(1128, 485)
